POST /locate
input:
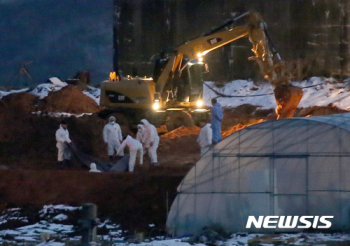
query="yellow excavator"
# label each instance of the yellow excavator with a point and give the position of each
(174, 95)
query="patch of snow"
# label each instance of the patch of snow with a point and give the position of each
(325, 92)
(168, 242)
(3, 221)
(317, 92)
(24, 238)
(60, 217)
(45, 227)
(51, 243)
(44, 89)
(93, 93)
(114, 226)
(9, 232)
(115, 233)
(238, 239)
(240, 89)
(6, 93)
(61, 114)
(49, 208)
(57, 81)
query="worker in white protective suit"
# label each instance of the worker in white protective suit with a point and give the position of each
(112, 136)
(62, 138)
(140, 132)
(205, 136)
(139, 135)
(150, 141)
(135, 147)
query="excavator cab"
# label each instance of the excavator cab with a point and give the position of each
(189, 86)
(194, 75)
(186, 83)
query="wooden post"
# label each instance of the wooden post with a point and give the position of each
(88, 224)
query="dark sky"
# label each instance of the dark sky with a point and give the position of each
(60, 37)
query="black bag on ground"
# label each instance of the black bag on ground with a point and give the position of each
(85, 160)
(122, 165)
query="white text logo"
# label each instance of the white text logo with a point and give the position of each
(271, 222)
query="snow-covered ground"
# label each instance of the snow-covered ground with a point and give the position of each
(61, 114)
(55, 84)
(317, 92)
(5, 93)
(94, 93)
(55, 228)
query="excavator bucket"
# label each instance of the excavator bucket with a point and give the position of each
(287, 99)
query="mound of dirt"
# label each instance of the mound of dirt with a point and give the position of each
(69, 99)
(182, 131)
(179, 147)
(14, 113)
(27, 141)
(318, 111)
(245, 114)
(239, 127)
(23, 101)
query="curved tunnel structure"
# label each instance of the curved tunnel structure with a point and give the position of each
(291, 167)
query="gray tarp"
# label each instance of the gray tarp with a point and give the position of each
(120, 165)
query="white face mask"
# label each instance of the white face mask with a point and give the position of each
(112, 122)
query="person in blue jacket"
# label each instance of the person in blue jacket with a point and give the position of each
(216, 118)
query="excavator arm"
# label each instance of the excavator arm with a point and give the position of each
(269, 62)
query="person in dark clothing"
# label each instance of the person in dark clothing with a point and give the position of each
(216, 118)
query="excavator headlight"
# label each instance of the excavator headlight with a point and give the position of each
(200, 59)
(199, 55)
(156, 105)
(199, 103)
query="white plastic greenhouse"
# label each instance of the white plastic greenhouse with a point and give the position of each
(296, 166)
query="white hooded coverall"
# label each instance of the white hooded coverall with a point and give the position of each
(205, 138)
(150, 140)
(112, 134)
(134, 148)
(62, 136)
(140, 132)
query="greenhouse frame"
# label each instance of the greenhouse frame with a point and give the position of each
(290, 167)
